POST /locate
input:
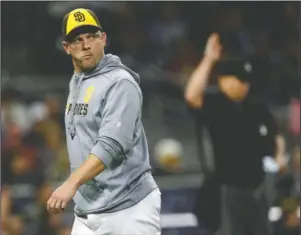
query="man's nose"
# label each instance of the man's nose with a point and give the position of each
(86, 44)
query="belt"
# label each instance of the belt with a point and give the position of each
(82, 216)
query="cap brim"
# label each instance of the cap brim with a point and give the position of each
(240, 76)
(234, 68)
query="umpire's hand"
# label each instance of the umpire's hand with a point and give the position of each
(213, 49)
(61, 197)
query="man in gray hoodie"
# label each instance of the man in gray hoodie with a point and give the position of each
(110, 182)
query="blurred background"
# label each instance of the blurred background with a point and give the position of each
(163, 42)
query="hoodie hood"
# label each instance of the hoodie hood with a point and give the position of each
(108, 63)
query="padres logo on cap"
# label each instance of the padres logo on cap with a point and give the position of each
(77, 18)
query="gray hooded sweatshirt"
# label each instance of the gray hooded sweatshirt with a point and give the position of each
(103, 117)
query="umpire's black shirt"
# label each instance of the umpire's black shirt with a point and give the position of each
(241, 134)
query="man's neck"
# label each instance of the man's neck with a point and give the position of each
(77, 70)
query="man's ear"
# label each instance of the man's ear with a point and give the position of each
(104, 38)
(66, 47)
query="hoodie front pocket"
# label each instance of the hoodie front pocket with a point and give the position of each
(90, 190)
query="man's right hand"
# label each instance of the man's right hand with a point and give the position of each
(213, 48)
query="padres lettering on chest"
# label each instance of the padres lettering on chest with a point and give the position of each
(81, 108)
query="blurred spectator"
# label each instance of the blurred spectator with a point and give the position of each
(54, 108)
(5, 208)
(64, 231)
(16, 226)
(167, 30)
(287, 22)
(25, 184)
(287, 78)
(296, 166)
(182, 61)
(288, 197)
(294, 117)
(13, 110)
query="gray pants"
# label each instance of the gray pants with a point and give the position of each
(245, 212)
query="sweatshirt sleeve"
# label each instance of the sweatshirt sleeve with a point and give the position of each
(122, 109)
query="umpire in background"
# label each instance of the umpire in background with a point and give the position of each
(242, 132)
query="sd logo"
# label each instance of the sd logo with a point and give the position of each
(79, 17)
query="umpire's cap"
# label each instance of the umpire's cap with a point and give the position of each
(78, 21)
(240, 68)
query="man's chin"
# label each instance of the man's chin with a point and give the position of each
(88, 68)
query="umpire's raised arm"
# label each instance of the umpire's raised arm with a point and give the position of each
(197, 82)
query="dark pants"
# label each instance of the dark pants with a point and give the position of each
(245, 212)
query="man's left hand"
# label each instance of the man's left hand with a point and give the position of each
(61, 197)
